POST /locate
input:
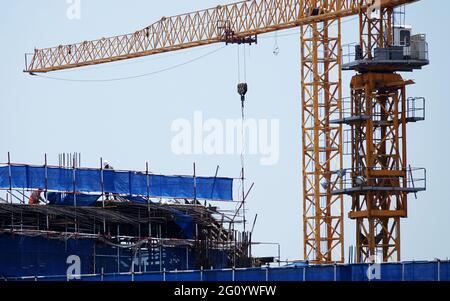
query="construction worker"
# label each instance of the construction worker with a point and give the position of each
(35, 197)
(107, 166)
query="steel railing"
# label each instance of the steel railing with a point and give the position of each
(408, 179)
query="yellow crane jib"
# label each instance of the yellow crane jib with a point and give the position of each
(321, 94)
(232, 23)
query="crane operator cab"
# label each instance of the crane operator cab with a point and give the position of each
(408, 52)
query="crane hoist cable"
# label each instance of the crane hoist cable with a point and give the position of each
(241, 63)
(242, 89)
(245, 65)
(276, 48)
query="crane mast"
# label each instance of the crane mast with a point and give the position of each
(321, 91)
(323, 227)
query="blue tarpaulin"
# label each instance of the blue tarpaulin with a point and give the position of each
(22, 256)
(130, 183)
(56, 198)
(183, 220)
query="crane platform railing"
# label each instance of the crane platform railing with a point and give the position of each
(408, 180)
(414, 112)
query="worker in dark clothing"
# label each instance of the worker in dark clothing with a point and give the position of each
(107, 166)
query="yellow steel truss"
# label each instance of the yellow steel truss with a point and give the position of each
(320, 75)
(378, 147)
(242, 19)
(379, 157)
(322, 143)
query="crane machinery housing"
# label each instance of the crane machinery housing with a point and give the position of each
(380, 177)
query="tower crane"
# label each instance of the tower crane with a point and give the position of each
(324, 179)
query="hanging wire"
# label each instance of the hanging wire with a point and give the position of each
(238, 63)
(242, 89)
(147, 59)
(245, 65)
(135, 76)
(276, 48)
(175, 66)
(295, 32)
(241, 64)
(243, 161)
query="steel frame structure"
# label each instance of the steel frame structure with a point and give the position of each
(379, 148)
(320, 75)
(375, 31)
(323, 227)
(242, 19)
(379, 157)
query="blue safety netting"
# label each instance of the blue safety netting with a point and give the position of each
(138, 200)
(22, 256)
(254, 274)
(38, 256)
(129, 183)
(185, 222)
(56, 198)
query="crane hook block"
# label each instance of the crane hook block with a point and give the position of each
(242, 90)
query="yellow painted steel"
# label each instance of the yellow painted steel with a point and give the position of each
(320, 75)
(379, 148)
(379, 143)
(321, 142)
(243, 19)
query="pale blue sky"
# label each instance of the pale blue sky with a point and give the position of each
(128, 122)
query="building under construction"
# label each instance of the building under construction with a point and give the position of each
(137, 220)
(115, 221)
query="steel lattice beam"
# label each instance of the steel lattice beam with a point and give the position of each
(320, 76)
(379, 157)
(378, 147)
(242, 19)
(322, 142)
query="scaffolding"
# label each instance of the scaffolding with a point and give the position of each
(159, 229)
